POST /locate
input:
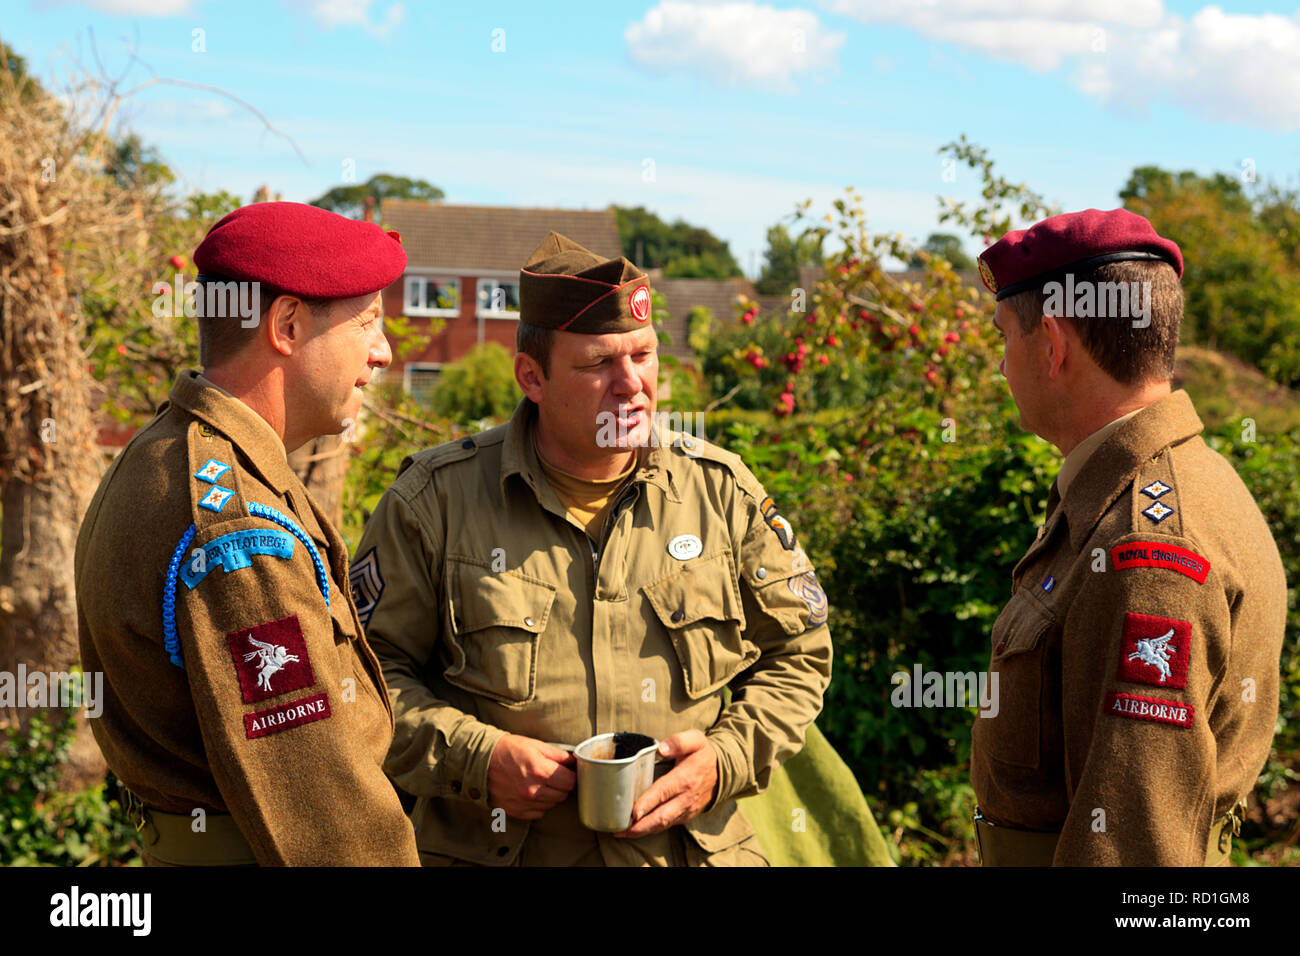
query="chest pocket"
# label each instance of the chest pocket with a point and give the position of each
(699, 605)
(1014, 735)
(496, 621)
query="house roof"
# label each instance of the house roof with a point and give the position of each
(682, 295)
(468, 238)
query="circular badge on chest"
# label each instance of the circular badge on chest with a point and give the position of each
(685, 546)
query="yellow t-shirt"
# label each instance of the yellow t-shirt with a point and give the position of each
(586, 500)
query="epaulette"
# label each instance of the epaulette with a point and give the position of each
(1154, 498)
(431, 459)
(700, 449)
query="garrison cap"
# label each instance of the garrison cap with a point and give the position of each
(567, 287)
(301, 249)
(1027, 258)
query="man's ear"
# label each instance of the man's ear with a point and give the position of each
(286, 323)
(1058, 344)
(528, 373)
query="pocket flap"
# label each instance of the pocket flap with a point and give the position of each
(703, 589)
(1020, 626)
(481, 597)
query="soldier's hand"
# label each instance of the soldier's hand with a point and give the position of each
(679, 795)
(527, 777)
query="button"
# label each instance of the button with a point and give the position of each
(688, 442)
(474, 793)
(678, 615)
(455, 786)
(529, 622)
(761, 573)
(1002, 646)
(467, 443)
(502, 850)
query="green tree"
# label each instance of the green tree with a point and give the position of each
(786, 254)
(350, 200)
(480, 385)
(1241, 281)
(680, 249)
(943, 245)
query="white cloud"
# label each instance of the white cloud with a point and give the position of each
(351, 13)
(140, 8)
(735, 43)
(1242, 68)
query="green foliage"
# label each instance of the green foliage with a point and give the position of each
(480, 385)
(683, 251)
(785, 254)
(40, 826)
(1002, 202)
(1241, 279)
(350, 200)
(946, 246)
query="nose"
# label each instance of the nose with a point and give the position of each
(626, 381)
(1002, 366)
(381, 354)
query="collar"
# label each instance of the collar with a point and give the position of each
(248, 431)
(1113, 464)
(1079, 455)
(519, 458)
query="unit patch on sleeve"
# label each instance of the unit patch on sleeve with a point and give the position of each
(271, 659)
(784, 533)
(367, 585)
(272, 720)
(233, 551)
(1150, 708)
(1156, 554)
(1155, 650)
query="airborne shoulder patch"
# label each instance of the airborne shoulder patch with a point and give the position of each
(1155, 709)
(1155, 650)
(271, 659)
(295, 713)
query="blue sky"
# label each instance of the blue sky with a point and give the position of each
(723, 113)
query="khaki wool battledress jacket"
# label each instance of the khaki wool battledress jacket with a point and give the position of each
(202, 548)
(1138, 657)
(491, 614)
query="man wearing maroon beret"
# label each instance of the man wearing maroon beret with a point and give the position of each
(245, 713)
(1136, 663)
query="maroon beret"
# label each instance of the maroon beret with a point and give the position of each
(566, 286)
(1027, 258)
(304, 250)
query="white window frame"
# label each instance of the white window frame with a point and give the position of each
(411, 309)
(486, 313)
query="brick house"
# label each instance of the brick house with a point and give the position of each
(463, 267)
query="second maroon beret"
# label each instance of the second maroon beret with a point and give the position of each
(1027, 258)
